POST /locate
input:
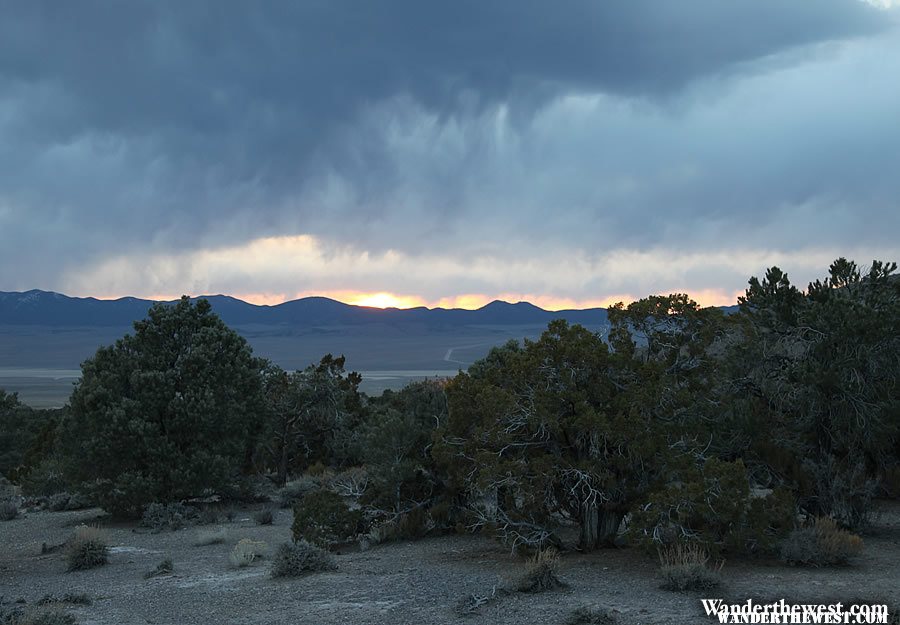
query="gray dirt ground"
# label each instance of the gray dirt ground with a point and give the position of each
(417, 583)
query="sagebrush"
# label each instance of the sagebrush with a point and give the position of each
(159, 517)
(301, 558)
(822, 543)
(325, 519)
(87, 548)
(541, 573)
(246, 552)
(687, 567)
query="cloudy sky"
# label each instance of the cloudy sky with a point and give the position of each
(405, 152)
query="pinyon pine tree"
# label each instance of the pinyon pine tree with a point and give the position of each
(166, 413)
(546, 433)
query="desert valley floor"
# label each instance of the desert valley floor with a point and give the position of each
(419, 583)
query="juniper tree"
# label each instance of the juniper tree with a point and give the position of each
(311, 415)
(168, 412)
(396, 444)
(549, 431)
(824, 367)
(26, 435)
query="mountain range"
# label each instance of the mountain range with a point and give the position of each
(46, 308)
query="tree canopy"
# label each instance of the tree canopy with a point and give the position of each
(168, 412)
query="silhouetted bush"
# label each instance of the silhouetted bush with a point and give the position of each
(822, 543)
(87, 549)
(45, 479)
(246, 552)
(301, 558)
(686, 567)
(541, 574)
(159, 517)
(170, 412)
(295, 490)
(715, 505)
(324, 519)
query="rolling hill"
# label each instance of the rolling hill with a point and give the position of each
(46, 308)
(45, 336)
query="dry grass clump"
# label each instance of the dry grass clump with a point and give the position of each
(541, 573)
(210, 537)
(246, 552)
(823, 543)
(87, 548)
(687, 567)
(301, 558)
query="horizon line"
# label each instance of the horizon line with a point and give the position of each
(389, 301)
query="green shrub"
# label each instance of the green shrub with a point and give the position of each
(295, 490)
(87, 549)
(301, 558)
(25, 434)
(264, 517)
(524, 423)
(169, 412)
(8, 510)
(324, 519)
(541, 574)
(822, 543)
(715, 505)
(246, 552)
(686, 567)
(163, 568)
(171, 516)
(45, 479)
(57, 502)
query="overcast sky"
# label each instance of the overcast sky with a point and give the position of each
(569, 153)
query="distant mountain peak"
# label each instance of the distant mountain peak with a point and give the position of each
(499, 303)
(46, 308)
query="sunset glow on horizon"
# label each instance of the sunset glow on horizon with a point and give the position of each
(585, 175)
(470, 301)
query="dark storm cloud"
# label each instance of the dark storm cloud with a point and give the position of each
(157, 126)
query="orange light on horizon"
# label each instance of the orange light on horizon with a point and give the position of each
(468, 301)
(384, 300)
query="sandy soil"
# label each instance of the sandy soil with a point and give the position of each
(421, 582)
